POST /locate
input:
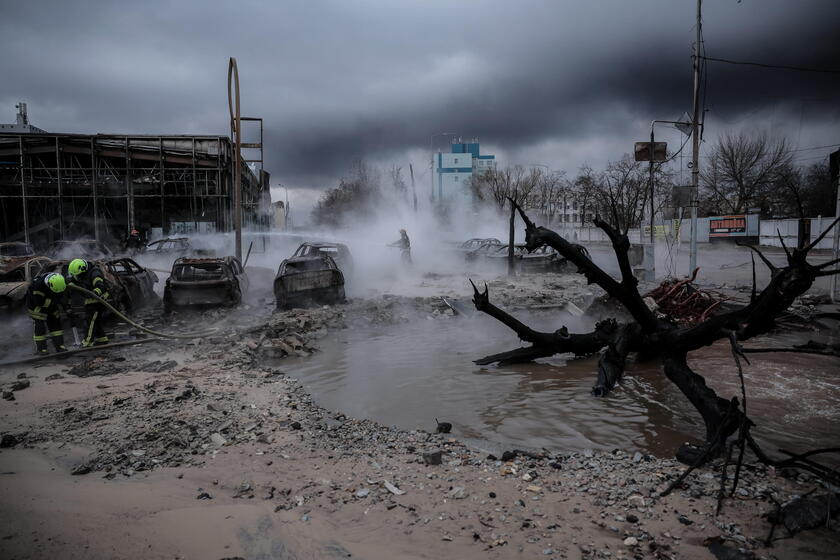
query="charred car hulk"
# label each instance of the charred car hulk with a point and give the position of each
(43, 302)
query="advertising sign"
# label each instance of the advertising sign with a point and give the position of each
(728, 226)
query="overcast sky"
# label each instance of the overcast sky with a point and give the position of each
(555, 82)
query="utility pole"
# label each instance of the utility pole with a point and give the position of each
(695, 143)
(835, 160)
(235, 129)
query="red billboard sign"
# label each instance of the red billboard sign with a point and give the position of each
(728, 226)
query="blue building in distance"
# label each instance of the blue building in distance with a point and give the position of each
(454, 170)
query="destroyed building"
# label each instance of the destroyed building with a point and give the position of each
(66, 186)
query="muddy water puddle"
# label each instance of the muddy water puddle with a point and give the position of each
(410, 374)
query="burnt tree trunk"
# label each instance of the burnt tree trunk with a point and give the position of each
(650, 335)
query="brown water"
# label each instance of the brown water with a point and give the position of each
(411, 374)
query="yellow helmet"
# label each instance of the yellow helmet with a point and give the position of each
(77, 267)
(56, 282)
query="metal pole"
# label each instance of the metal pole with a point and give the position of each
(651, 185)
(93, 186)
(23, 192)
(235, 123)
(836, 244)
(695, 144)
(60, 199)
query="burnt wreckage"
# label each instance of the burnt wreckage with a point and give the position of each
(652, 336)
(210, 281)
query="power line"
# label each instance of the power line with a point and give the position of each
(814, 148)
(775, 66)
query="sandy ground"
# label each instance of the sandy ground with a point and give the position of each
(207, 449)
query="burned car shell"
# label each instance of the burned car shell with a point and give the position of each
(175, 245)
(209, 281)
(137, 283)
(337, 251)
(15, 249)
(16, 273)
(541, 259)
(303, 281)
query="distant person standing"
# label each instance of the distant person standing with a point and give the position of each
(134, 243)
(404, 244)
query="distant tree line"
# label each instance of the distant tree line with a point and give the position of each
(741, 172)
(746, 171)
(360, 194)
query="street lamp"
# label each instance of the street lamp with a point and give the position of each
(432, 152)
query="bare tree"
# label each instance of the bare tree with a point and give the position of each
(548, 193)
(398, 183)
(741, 172)
(354, 198)
(496, 186)
(652, 336)
(803, 192)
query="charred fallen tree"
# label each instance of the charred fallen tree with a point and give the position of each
(653, 336)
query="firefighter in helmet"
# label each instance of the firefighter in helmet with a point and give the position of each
(44, 299)
(89, 276)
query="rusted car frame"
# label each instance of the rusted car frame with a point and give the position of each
(205, 282)
(305, 281)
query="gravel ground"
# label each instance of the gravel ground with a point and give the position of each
(209, 450)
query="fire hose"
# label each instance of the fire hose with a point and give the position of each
(134, 324)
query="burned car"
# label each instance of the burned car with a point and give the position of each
(88, 249)
(303, 281)
(541, 259)
(13, 249)
(137, 284)
(175, 246)
(16, 273)
(208, 281)
(337, 251)
(179, 245)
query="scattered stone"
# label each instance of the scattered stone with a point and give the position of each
(362, 493)
(458, 493)
(81, 469)
(8, 440)
(203, 495)
(631, 518)
(8, 396)
(433, 457)
(295, 425)
(54, 377)
(393, 489)
(637, 457)
(20, 385)
(684, 520)
(807, 513)
(631, 541)
(636, 501)
(218, 439)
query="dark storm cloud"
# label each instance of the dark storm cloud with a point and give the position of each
(339, 80)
